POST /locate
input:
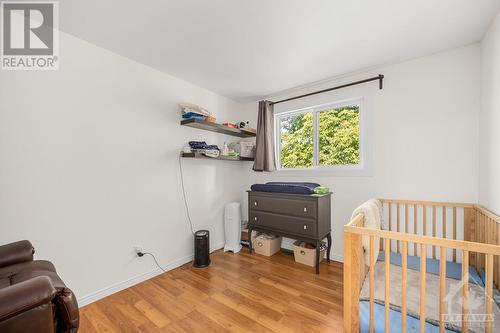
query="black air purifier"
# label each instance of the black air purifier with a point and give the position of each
(201, 249)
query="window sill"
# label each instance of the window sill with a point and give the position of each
(325, 172)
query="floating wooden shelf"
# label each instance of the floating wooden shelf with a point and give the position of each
(218, 128)
(223, 158)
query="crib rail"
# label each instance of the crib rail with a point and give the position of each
(409, 231)
(428, 218)
(485, 228)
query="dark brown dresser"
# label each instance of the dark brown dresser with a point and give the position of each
(302, 217)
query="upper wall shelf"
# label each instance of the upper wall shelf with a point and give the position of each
(218, 128)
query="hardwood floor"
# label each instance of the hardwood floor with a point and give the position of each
(237, 293)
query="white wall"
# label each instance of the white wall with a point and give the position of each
(489, 120)
(89, 167)
(424, 134)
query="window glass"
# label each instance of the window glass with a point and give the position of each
(339, 136)
(296, 140)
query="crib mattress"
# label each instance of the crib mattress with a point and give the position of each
(412, 323)
(454, 271)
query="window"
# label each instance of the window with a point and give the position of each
(320, 137)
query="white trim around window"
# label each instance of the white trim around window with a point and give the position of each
(362, 169)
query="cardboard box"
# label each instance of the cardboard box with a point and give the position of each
(244, 235)
(306, 256)
(266, 247)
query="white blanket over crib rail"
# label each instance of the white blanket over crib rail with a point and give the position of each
(372, 212)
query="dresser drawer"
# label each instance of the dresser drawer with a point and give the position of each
(285, 206)
(291, 224)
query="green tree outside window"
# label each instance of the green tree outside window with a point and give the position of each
(338, 138)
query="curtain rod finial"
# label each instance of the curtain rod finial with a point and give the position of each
(381, 81)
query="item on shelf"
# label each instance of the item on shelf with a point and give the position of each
(230, 125)
(188, 107)
(211, 153)
(225, 150)
(244, 124)
(204, 148)
(244, 148)
(192, 115)
(201, 146)
(192, 111)
(232, 153)
(211, 119)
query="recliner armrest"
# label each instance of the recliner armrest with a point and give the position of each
(16, 252)
(25, 295)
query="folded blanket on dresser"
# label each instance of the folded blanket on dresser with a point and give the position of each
(453, 299)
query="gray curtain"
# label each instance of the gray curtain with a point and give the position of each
(264, 149)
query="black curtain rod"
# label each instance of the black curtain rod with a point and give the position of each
(380, 79)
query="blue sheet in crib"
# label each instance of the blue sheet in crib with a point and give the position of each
(412, 323)
(453, 269)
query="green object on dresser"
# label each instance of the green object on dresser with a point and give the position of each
(321, 190)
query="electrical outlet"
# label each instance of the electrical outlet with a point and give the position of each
(137, 249)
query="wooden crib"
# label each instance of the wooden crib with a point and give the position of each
(458, 232)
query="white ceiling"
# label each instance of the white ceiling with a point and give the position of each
(247, 49)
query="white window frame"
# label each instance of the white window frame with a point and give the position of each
(360, 169)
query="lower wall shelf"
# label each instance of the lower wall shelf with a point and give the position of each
(223, 158)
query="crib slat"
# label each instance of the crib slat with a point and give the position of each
(477, 238)
(444, 222)
(390, 228)
(423, 268)
(442, 287)
(415, 219)
(424, 214)
(387, 283)
(404, 264)
(489, 293)
(398, 211)
(433, 230)
(496, 260)
(454, 232)
(372, 281)
(483, 240)
(406, 219)
(465, 290)
(390, 216)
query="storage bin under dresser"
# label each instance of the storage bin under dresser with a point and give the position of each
(298, 216)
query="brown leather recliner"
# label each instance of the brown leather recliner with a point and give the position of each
(32, 296)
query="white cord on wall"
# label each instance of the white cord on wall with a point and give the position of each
(184, 195)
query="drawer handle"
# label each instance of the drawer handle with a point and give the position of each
(305, 227)
(255, 218)
(302, 252)
(305, 209)
(255, 203)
